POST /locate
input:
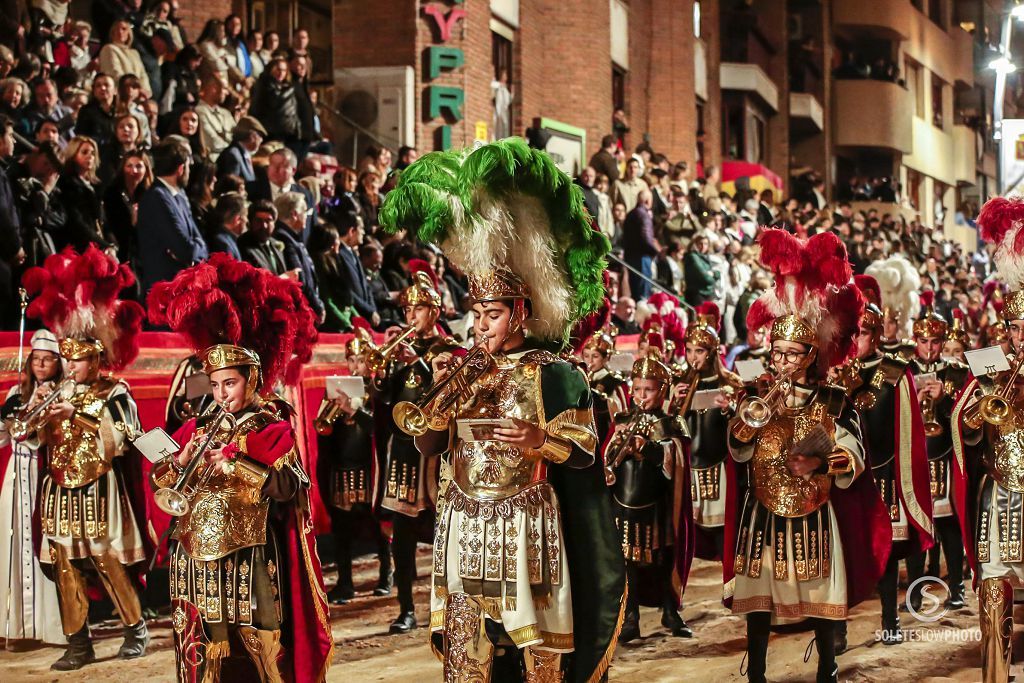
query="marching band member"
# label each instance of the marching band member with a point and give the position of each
(89, 524)
(243, 563)
(649, 477)
(521, 577)
(348, 470)
(938, 381)
(806, 537)
(957, 340)
(898, 285)
(410, 478)
(609, 389)
(32, 612)
(881, 388)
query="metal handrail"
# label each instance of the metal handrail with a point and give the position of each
(360, 130)
(653, 283)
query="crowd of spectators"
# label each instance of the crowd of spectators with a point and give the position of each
(127, 133)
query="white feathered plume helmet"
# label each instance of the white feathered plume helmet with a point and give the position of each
(899, 284)
(1000, 221)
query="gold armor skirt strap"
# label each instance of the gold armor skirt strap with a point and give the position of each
(235, 589)
(804, 538)
(491, 535)
(644, 532)
(79, 513)
(938, 478)
(349, 488)
(1001, 513)
(706, 483)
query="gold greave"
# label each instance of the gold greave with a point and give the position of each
(265, 649)
(542, 666)
(996, 629)
(468, 652)
(215, 654)
(119, 587)
(71, 593)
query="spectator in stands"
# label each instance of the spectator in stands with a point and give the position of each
(304, 108)
(127, 138)
(627, 189)
(130, 100)
(271, 47)
(78, 192)
(171, 241)
(280, 178)
(698, 271)
(638, 243)
(372, 259)
(604, 160)
(292, 212)
(254, 44)
(586, 180)
(181, 80)
(258, 246)
(274, 103)
(624, 317)
(350, 230)
(217, 58)
(187, 125)
(238, 52)
(72, 52)
(325, 246)
(118, 57)
(236, 159)
(46, 106)
(159, 18)
(11, 251)
(201, 179)
(96, 118)
(155, 50)
(406, 155)
(216, 121)
(13, 97)
(121, 200)
(228, 221)
(300, 46)
(368, 196)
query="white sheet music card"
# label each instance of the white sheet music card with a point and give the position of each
(750, 370)
(987, 361)
(156, 444)
(704, 400)
(336, 385)
(621, 362)
(481, 428)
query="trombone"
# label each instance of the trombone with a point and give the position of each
(28, 421)
(174, 500)
(434, 410)
(996, 409)
(755, 412)
(377, 360)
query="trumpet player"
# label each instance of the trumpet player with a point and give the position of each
(938, 380)
(410, 478)
(245, 579)
(348, 470)
(649, 477)
(89, 510)
(610, 390)
(988, 477)
(31, 612)
(882, 390)
(527, 578)
(807, 529)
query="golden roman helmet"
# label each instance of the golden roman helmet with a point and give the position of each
(223, 356)
(421, 291)
(872, 318)
(930, 323)
(1013, 306)
(497, 285)
(702, 333)
(957, 332)
(794, 329)
(651, 368)
(78, 349)
(360, 343)
(601, 342)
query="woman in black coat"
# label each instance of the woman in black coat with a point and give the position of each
(275, 105)
(120, 200)
(96, 118)
(77, 186)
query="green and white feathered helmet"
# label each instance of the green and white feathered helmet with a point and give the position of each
(506, 207)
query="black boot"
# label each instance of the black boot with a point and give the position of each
(630, 627)
(671, 620)
(892, 634)
(956, 597)
(405, 622)
(385, 577)
(136, 639)
(78, 654)
(341, 594)
(758, 631)
(840, 638)
(828, 677)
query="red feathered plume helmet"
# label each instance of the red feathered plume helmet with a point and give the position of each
(224, 301)
(586, 327)
(869, 289)
(813, 300)
(76, 298)
(704, 328)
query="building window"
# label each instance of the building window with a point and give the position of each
(618, 88)
(744, 132)
(700, 131)
(916, 87)
(936, 13)
(696, 19)
(937, 88)
(756, 139)
(501, 87)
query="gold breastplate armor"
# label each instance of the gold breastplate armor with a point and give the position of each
(490, 470)
(228, 510)
(1004, 458)
(775, 488)
(78, 454)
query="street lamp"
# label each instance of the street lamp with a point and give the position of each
(1003, 65)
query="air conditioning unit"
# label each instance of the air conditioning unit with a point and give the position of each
(379, 100)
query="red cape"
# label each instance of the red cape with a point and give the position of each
(966, 476)
(306, 631)
(910, 440)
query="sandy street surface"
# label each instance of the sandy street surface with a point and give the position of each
(365, 652)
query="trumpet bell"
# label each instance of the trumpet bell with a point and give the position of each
(410, 418)
(172, 502)
(995, 410)
(755, 412)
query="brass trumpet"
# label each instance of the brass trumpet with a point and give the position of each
(434, 410)
(995, 409)
(378, 359)
(324, 422)
(755, 412)
(28, 421)
(931, 427)
(175, 499)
